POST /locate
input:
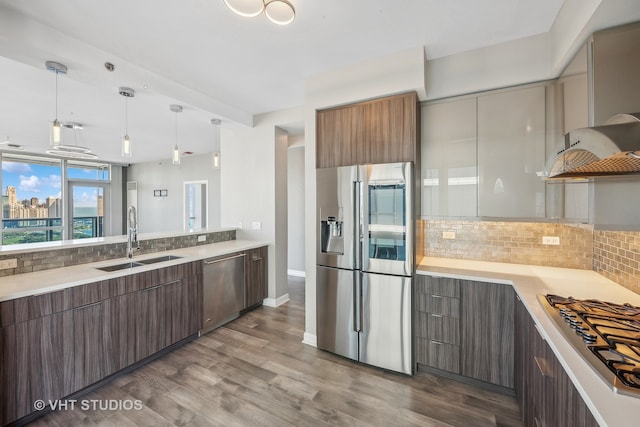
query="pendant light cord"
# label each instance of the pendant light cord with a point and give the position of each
(56, 71)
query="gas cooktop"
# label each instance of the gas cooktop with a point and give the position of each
(606, 334)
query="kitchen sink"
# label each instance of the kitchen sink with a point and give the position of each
(123, 266)
(159, 259)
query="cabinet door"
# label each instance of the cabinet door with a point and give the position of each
(33, 364)
(487, 332)
(449, 159)
(389, 130)
(255, 276)
(120, 332)
(511, 149)
(339, 134)
(88, 349)
(153, 321)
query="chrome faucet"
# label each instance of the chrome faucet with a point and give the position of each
(132, 235)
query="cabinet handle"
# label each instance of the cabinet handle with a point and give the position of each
(256, 258)
(436, 296)
(82, 307)
(541, 364)
(436, 342)
(436, 315)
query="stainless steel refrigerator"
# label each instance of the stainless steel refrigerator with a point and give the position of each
(365, 263)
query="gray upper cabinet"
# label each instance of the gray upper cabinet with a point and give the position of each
(449, 156)
(511, 149)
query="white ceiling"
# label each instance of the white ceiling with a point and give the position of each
(199, 54)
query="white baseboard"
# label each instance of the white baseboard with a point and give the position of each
(310, 339)
(270, 302)
(296, 273)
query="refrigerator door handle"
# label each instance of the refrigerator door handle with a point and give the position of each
(360, 302)
(356, 301)
(357, 230)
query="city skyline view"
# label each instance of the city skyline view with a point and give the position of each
(42, 181)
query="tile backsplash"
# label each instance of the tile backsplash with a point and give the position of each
(514, 242)
(38, 260)
(617, 257)
(613, 254)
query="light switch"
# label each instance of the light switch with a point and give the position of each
(256, 225)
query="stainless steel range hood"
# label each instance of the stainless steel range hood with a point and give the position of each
(611, 149)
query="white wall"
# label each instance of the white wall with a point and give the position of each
(254, 189)
(166, 213)
(295, 188)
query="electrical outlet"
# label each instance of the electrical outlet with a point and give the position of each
(448, 234)
(256, 225)
(550, 240)
(202, 238)
(8, 263)
(239, 226)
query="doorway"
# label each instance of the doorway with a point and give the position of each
(88, 203)
(196, 207)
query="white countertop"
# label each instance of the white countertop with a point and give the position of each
(608, 407)
(40, 282)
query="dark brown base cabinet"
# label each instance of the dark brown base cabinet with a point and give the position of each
(546, 395)
(483, 331)
(55, 344)
(255, 277)
(465, 327)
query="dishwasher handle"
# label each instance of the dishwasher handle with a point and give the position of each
(214, 260)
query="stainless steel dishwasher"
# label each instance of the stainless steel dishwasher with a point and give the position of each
(223, 290)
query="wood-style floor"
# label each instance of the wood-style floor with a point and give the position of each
(255, 371)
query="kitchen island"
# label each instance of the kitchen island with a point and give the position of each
(66, 330)
(529, 281)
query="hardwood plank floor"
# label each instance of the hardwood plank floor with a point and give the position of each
(256, 371)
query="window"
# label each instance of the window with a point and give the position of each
(34, 190)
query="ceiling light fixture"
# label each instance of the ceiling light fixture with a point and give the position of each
(127, 93)
(72, 151)
(216, 146)
(175, 158)
(279, 12)
(56, 135)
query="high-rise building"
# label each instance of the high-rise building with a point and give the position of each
(11, 194)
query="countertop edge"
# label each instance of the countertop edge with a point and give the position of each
(607, 407)
(22, 285)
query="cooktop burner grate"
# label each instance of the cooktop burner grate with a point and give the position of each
(606, 334)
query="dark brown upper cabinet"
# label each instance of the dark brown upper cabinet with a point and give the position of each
(382, 130)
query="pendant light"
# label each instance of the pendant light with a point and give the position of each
(216, 146)
(175, 157)
(279, 12)
(56, 135)
(127, 93)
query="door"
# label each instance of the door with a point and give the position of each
(387, 218)
(385, 337)
(88, 204)
(336, 311)
(336, 216)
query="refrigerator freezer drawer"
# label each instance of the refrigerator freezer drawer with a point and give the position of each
(335, 299)
(385, 338)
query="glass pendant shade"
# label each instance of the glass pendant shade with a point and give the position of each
(280, 12)
(56, 135)
(175, 159)
(126, 146)
(248, 8)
